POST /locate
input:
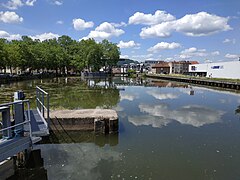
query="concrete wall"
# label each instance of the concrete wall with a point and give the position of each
(229, 70)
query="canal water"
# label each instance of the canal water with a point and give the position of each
(167, 131)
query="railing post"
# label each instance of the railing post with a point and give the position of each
(29, 120)
(6, 123)
(48, 118)
(37, 98)
(43, 105)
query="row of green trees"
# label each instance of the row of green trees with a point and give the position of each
(57, 54)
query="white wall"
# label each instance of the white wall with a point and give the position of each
(224, 70)
(219, 70)
(198, 68)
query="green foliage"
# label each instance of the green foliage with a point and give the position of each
(111, 53)
(131, 73)
(59, 54)
(3, 53)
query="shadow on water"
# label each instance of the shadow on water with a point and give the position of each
(34, 169)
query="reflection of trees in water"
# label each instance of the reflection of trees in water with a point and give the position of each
(75, 95)
(67, 93)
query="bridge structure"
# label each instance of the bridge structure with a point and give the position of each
(22, 127)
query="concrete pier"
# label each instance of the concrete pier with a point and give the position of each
(98, 120)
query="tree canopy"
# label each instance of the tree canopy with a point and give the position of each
(61, 54)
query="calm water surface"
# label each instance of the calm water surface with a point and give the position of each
(167, 131)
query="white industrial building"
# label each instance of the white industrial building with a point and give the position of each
(230, 70)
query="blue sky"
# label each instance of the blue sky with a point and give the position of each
(202, 30)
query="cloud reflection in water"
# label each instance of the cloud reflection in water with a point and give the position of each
(161, 115)
(74, 161)
(129, 97)
(161, 96)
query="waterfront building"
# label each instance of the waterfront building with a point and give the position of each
(161, 68)
(229, 70)
(174, 67)
(148, 64)
(179, 67)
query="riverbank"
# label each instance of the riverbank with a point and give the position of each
(6, 78)
(215, 82)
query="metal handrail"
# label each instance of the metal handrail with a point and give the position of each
(15, 102)
(40, 95)
(25, 122)
(19, 124)
(41, 90)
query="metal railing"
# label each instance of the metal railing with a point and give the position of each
(42, 100)
(27, 118)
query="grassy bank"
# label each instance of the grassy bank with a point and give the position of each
(194, 77)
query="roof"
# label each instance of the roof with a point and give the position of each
(194, 62)
(161, 65)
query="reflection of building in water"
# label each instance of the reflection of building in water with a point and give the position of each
(167, 84)
(191, 91)
(100, 83)
(33, 168)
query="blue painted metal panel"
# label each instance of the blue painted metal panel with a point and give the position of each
(38, 126)
(11, 147)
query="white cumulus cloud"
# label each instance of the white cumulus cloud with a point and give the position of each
(194, 52)
(129, 44)
(164, 45)
(80, 24)
(10, 17)
(30, 2)
(233, 41)
(58, 3)
(121, 24)
(232, 56)
(200, 24)
(15, 4)
(45, 36)
(160, 30)
(6, 35)
(59, 22)
(124, 56)
(215, 53)
(150, 19)
(105, 31)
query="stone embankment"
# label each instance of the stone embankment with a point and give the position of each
(199, 81)
(98, 120)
